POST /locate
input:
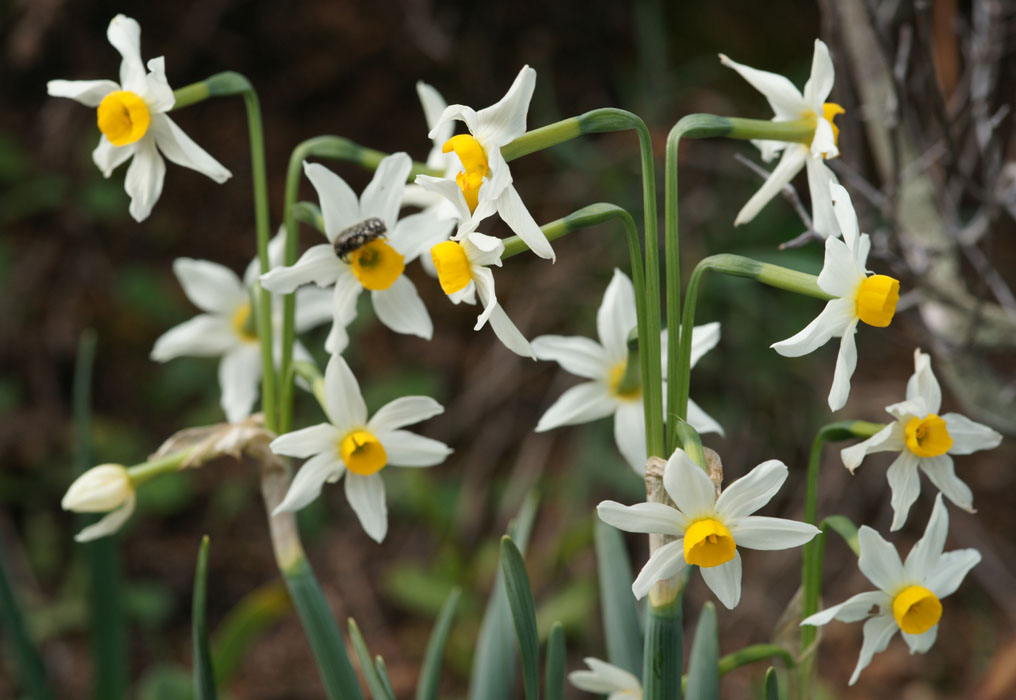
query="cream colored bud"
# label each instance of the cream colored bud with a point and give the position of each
(100, 489)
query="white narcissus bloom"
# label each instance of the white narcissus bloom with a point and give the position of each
(133, 121)
(377, 264)
(484, 185)
(602, 677)
(709, 529)
(228, 327)
(350, 445)
(605, 364)
(859, 297)
(910, 592)
(463, 268)
(103, 489)
(789, 104)
(925, 442)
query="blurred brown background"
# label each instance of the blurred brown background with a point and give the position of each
(925, 160)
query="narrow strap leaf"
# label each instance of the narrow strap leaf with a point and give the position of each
(245, 624)
(382, 673)
(430, 674)
(374, 683)
(554, 674)
(520, 601)
(617, 604)
(204, 675)
(772, 685)
(845, 528)
(703, 670)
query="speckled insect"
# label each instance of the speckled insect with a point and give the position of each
(357, 236)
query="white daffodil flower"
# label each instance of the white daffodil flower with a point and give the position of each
(106, 487)
(608, 679)
(605, 364)
(350, 445)
(708, 529)
(228, 328)
(133, 121)
(925, 442)
(859, 297)
(368, 248)
(789, 104)
(484, 185)
(910, 592)
(463, 268)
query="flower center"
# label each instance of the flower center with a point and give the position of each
(617, 384)
(928, 436)
(242, 325)
(474, 163)
(707, 543)
(876, 300)
(362, 452)
(452, 266)
(377, 265)
(916, 609)
(123, 117)
(829, 111)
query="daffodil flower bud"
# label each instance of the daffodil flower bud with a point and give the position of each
(106, 487)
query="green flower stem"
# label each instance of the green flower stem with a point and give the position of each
(736, 266)
(310, 214)
(753, 654)
(312, 375)
(225, 85)
(661, 666)
(140, 473)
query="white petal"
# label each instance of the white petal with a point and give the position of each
(950, 570)
(942, 473)
(879, 560)
(201, 336)
(343, 400)
(905, 410)
(482, 249)
(820, 83)
(643, 518)
(406, 449)
(87, 92)
(823, 145)
(703, 339)
(583, 403)
(853, 609)
(239, 379)
(888, 439)
(878, 631)
(920, 643)
(433, 105)
(834, 319)
(846, 363)
(924, 555)
(509, 334)
(109, 523)
(143, 182)
(702, 421)
(923, 385)
(404, 411)
(846, 217)
(455, 112)
(823, 216)
(784, 99)
(340, 207)
(969, 436)
(615, 318)
(691, 490)
(790, 164)
(400, 308)
(417, 233)
(319, 265)
(666, 561)
(505, 120)
(839, 275)
(306, 442)
(313, 308)
(769, 149)
(761, 532)
(725, 581)
(630, 434)
(604, 678)
(519, 220)
(211, 287)
(181, 149)
(157, 93)
(307, 484)
(337, 340)
(753, 490)
(108, 157)
(124, 34)
(483, 281)
(366, 495)
(905, 484)
(383, 194)
(447, 189)
(580, 356)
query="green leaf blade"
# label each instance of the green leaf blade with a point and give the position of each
(204, 675)
(430, 674)
(523, 611)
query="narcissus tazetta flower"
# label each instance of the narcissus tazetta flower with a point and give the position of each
(484, 185)
(375, 263)
(463, 269)
(605, 364)
(133, 121)
(910, 592)
(103, 489)
(859, 297)
(789, 104)
(709, 529)
(356, 448)
(925, 442)
(608, 679)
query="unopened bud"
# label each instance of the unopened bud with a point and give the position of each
(100, 489)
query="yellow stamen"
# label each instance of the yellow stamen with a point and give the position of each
(876, 300)
(377, 265)
(829, 111)
(916, 609)
(708, 542)
(928, 436)
(474, 163)
(242, 325)
(363, 453)
(123, 117)
(452, 265)
(616, 377)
